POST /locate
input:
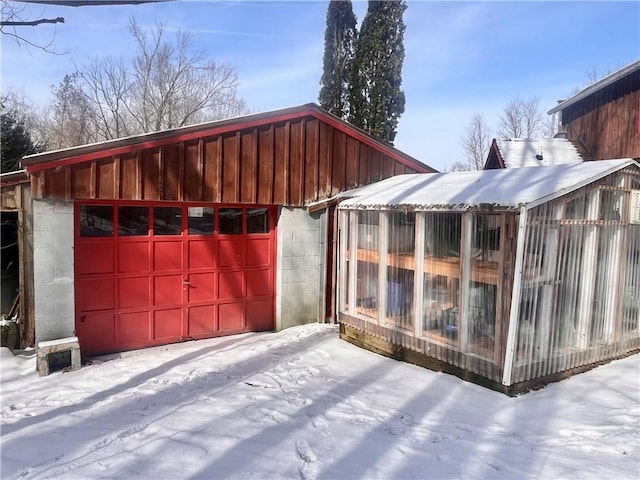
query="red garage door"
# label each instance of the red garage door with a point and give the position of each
(150, 274)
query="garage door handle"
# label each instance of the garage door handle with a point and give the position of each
(83, 318)
(186, 282)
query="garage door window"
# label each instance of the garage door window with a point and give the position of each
(133, 221)
(167, 220)
(96, 221)
(258, 220)
(230, 221)
(200, 220)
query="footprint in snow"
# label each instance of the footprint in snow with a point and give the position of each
(274, 415)
(309, 469)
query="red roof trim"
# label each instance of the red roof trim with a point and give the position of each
(221, 129)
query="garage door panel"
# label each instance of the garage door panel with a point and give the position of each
(202, 253)
(95, 258)
(96, 294)
(167, 324)
(260, 315)
(96, 332)
(133, 292)
(133, 257)
(168, 289)
(231, 316)
(258, 282)
(258, 252)
(133, 328)
(202, 287)
(230, 285)
(167, 255)
(202, 320)
(230, 252)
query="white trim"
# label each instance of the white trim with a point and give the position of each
(515, 300)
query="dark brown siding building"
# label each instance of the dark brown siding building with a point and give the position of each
(604, 119)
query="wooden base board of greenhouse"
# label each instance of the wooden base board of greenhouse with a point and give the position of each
(389, 349)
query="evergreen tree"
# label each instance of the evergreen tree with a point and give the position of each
(376, 101)
(15, 142)
(339, 39)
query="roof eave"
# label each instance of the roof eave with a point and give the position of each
(590, 90)
(115, 147)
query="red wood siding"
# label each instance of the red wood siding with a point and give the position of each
(292, 162)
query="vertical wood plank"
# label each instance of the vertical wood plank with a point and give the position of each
(180, 192)
(338, 162)
(364, 171)
(37, 184)
(68, 181)
(230, 170)
(218, 166)
(138, 176)
(324, 167)
(280, 165)
(161, 161)
(117, 172)
(248, 165)
(210, 167)
(105, 186)
(93, 180)
(351, 162)
(200, 170)
(311, 160)
(171, 157)
(128, 177)
(192, 171)
(295, 163)
(266, 165)
(80, 180)
(151, 174)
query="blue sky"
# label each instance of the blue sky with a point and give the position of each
(461, 57)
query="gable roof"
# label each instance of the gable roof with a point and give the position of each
(83, 153)
(596, 87)
(506, 189)
(534, 152)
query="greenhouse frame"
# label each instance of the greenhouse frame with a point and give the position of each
(508, 278)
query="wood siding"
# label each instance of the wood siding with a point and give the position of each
(291, 162)
(607, 123)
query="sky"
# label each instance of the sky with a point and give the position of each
(461, 58)
(303, 404)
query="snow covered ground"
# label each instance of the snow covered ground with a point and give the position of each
(303, 404)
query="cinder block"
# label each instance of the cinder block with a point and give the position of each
(46, 348)
(42, 206)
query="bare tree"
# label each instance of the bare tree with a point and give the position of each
(32, 117)
(522, 118)
(13, 17)
(106, 85)
(70, 115)
(476, 142)
(170, 84)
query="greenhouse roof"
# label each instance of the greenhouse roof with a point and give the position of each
(500, 189)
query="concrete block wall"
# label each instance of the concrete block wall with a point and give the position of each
(300, 275)
(53, 269)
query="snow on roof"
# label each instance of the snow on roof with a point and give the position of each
(534, 152)
(500, 189)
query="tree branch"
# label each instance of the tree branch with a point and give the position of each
(32, 23)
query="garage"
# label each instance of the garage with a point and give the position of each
(150, 273)
(214, 229)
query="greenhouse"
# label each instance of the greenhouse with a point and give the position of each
(509, 278)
